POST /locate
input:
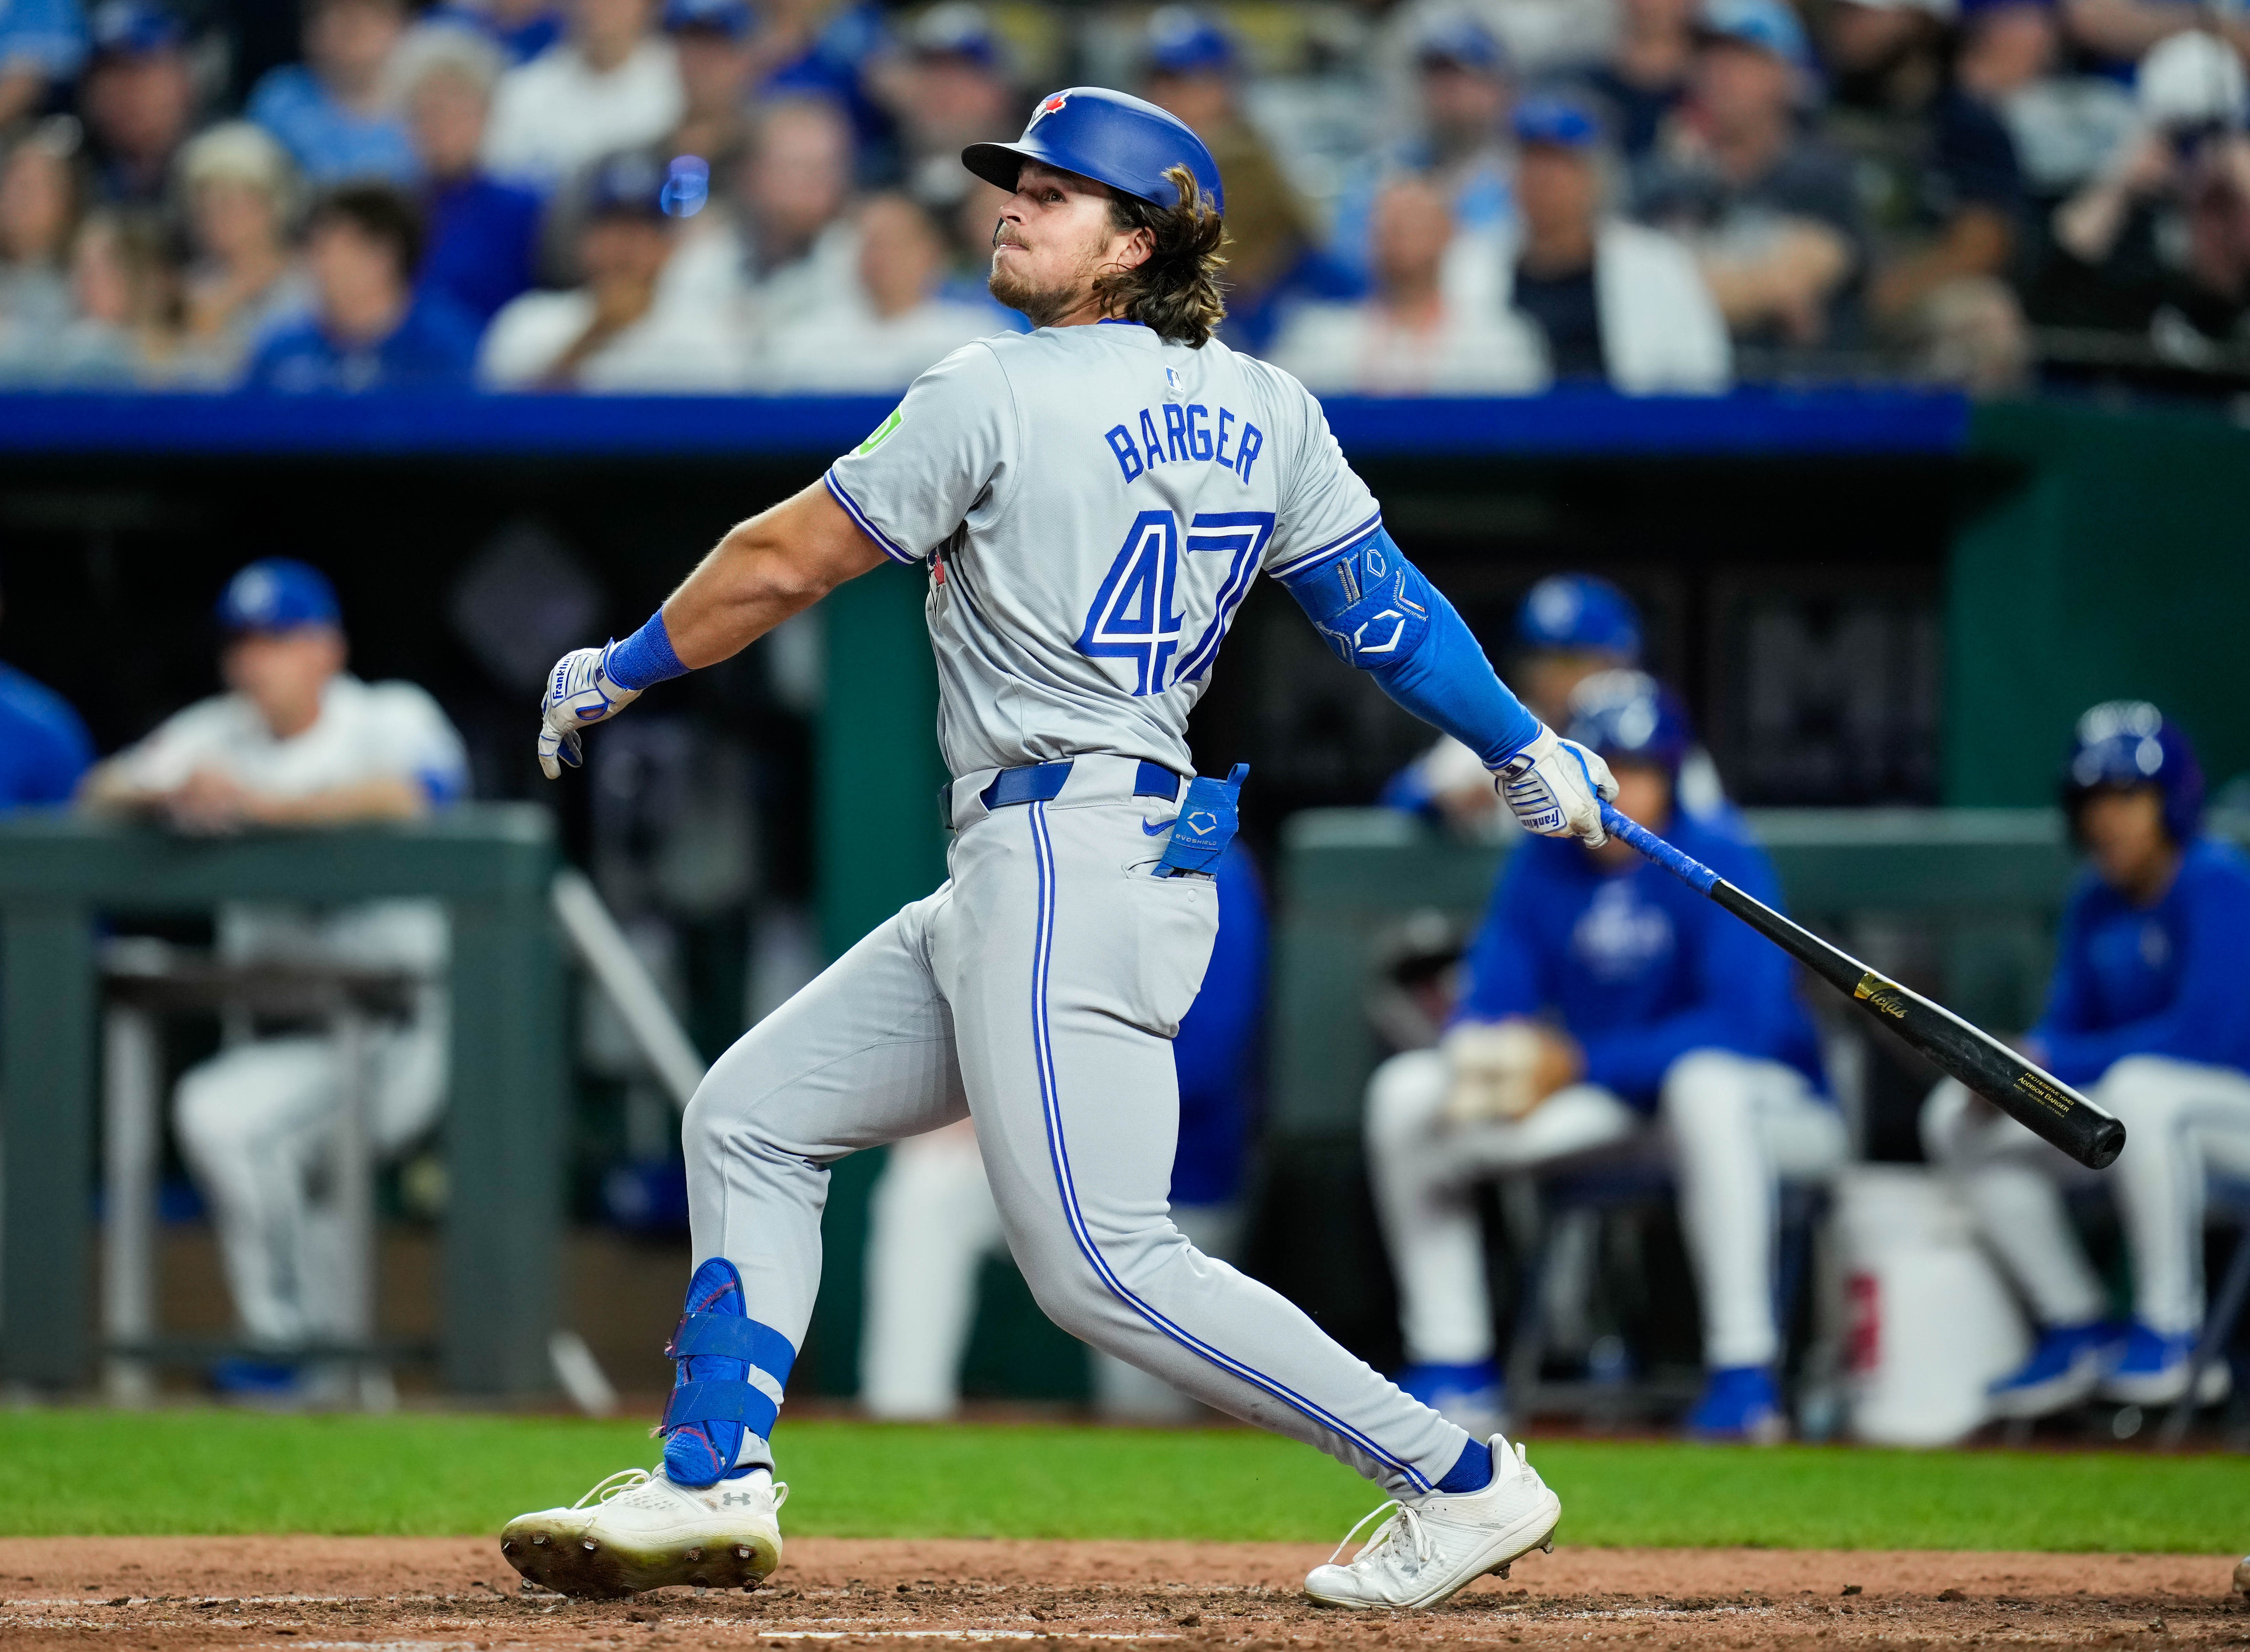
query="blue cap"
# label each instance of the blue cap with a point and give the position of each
(1630, 716)
(277, 594)
(959, 29)
(1124, 141)
(1458, 39)
(2129, 743)
(1560, 122)
(1579, 611)
(132, 28)
(1767, 24)
(732, 18)
(628, 184)
(1181, 40)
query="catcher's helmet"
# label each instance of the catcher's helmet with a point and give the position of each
(2129, 742)
(1630, 717)
(1110, 137)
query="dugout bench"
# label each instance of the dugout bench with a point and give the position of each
(507, 1122)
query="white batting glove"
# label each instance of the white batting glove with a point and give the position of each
(1556, 788)
(579, 693)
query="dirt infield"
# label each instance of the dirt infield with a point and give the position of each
(457, 1595)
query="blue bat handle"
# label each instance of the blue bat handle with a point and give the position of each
(1685, 868)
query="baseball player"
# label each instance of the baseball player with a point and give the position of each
(1604, 995)
(1092, 500)
(2145, 1015)
(296, 741)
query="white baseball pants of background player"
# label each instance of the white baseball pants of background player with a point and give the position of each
(931, 1226)
(2181, 1120)
(253, 1123)
(1733, 1127)
(1037, 991)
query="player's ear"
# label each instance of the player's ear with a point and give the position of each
(1135, 249)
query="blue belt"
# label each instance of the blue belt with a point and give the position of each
(1042, 782)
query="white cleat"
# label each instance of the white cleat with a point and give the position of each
(639, 1531)
(1434, 1544)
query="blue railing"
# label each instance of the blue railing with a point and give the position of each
(1750, 422)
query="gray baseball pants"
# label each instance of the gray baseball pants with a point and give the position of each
(1037, 991)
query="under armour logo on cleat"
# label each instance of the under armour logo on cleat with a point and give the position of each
(730, 1499)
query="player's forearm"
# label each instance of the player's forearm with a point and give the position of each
(384, 797)
(108, 789)
(777, 564)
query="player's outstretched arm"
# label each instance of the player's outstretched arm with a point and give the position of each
(1377, 612)
(778, 563)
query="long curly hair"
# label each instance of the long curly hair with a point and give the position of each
(1176, 291)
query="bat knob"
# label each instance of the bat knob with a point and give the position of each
(2107, 1143)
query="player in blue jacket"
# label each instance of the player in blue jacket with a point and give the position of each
(44, 747)
(1610, 1010)
(2149, 1014)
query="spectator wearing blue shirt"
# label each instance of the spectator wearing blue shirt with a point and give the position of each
(370, 329)
(1610, 1010)
(44, 747)
(824, 49)
(1466, 90)
(330, 111)
(139, 99)
(482, 243)
(41, 45)
(2146, 1014)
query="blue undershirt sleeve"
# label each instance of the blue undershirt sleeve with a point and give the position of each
(1376, 611)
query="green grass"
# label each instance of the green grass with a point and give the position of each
(205, 1471)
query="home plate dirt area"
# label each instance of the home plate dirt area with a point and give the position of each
(426, 1594)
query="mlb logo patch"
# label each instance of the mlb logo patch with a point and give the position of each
(1053, 106)
(1172, 385)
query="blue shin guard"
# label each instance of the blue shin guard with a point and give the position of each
(729, 1381)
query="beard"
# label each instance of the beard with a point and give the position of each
(1041, 305)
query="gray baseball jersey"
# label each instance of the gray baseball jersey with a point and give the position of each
(1098, 502)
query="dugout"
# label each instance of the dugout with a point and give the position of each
(1873, 597)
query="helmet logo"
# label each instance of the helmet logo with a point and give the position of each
(1053, 106)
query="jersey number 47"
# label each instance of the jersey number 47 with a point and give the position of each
(1148, 601)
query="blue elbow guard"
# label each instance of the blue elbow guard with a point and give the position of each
(1377, 612)
(1370, 604)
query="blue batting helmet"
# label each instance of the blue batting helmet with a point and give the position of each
(1110, 137)
(1630, 716)
(1579, 611)
(2129, 743)
(277, 594)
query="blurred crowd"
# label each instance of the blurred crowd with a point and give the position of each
(1439, 196)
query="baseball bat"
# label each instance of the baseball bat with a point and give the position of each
(2033, 1098)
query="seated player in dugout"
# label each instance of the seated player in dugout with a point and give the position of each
(2145, 1015)
(297, 741)
(1611, 1010)
(1570, 627)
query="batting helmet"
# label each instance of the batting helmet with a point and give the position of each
(1631, 716)
(2129, 743)
(1110, 137)
(1579, 611)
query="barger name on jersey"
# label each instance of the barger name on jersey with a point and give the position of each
(1191, 434)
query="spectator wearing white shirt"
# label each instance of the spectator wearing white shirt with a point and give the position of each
(626, 329)
(778, 249)
(1613, 300)
(1411, 337)
(896, 325)
(608, 84)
